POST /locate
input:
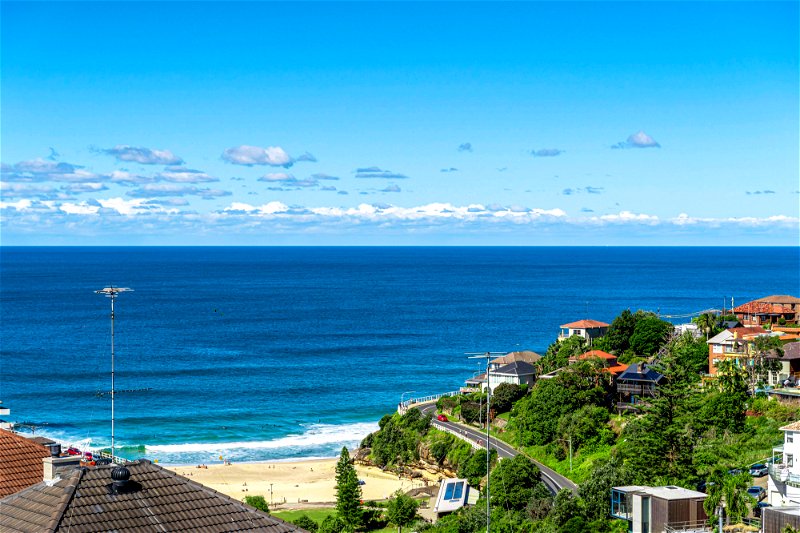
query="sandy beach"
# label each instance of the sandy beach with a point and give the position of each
(295, 484)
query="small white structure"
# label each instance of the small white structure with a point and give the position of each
(783, 485)
(454, 493)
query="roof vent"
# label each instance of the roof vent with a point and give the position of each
(122, 483)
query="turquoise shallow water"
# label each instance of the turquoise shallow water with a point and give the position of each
(281, 353)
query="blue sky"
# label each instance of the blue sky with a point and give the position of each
(400, 123)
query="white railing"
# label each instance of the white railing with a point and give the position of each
(463, 436)
(114, 458)
(402, 406)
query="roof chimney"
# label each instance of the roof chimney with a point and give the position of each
(54, 465)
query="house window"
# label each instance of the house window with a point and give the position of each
(577, 332)
(789, 460)
(789, 438)
(717, 348)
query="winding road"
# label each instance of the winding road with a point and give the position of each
(552, 479)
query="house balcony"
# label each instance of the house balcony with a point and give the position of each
(695, 526)
(640, 390)
(781, 473)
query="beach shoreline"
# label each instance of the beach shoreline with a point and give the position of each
(296, 484)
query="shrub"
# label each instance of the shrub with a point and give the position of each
(257, 502)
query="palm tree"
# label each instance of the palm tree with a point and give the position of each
(706, 322)
(733, 491)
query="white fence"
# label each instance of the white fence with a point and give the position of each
(403, 406)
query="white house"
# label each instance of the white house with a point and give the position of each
(518, 373)
(783, 485)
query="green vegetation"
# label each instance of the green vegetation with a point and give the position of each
(402, 510)
(348, 493)
(315, 515)
(257, 502)
(693, 431)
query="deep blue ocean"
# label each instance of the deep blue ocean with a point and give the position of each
(281, 353)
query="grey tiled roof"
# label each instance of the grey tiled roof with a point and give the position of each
(517, 368)
(164, 501)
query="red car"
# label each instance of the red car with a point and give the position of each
(441, 418)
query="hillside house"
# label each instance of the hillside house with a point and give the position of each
(783, 485)
(735, 344)
(770, 310)
(635, 386)
(660, 509)
(790, 366)
(607, 360)
(588, 329)
(21, 463)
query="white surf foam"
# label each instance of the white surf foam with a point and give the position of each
(316, 435)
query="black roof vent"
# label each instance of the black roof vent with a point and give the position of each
(122, 483)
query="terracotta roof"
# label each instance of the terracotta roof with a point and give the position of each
(753, 330)
(527, 356)
(764, 307)
(617, 369)
(596, 353)
(159, 500)
(21, 463)
(794, 426)
(780, 299)
(585, 324)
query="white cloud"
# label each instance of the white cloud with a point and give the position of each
(184, 175)
(627, 216)
(79, 209)
(21, 205)
(145, 156)
(273, 156)
(638, 140)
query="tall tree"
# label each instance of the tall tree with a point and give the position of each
(348, 493)
(650, 334)
(401, 510)
(513, 483)
(617, 340)
(660, 444)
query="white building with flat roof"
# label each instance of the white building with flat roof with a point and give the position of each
(783, 485)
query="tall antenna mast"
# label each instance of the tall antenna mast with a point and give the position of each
(112, 292)
(488, 356)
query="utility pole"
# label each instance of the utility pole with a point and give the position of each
(488, 356)
(112, 292)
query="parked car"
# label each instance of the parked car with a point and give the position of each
(73, 451)
(442, 418)
(757, 492)
(758, 470)
(758, 507)
(735, 471)
(703, 486)
(362, 482)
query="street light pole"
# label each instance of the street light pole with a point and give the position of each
(112, 292)
(488, 356)
(403, 395)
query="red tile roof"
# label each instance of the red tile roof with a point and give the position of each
(761, 307)
(585, 324)
(617, 369)
(780, 299)
(752, 330)
(21, 463)
(596, 353)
